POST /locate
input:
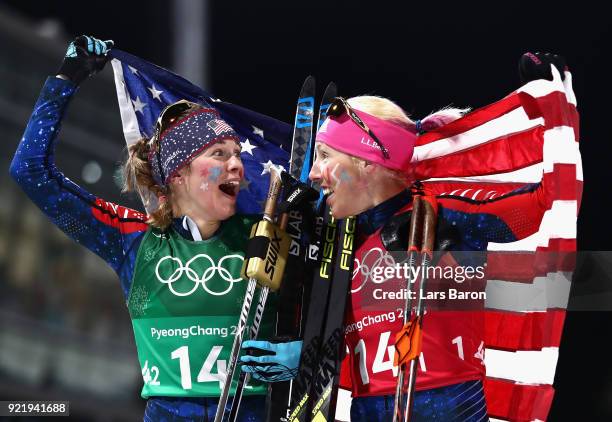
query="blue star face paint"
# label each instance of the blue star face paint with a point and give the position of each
(344, 176)
(215, 172)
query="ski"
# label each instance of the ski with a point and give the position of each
(302, 130)
(315, 321)
(315, 395)
(291, 293)
(331, 91)
(324, 385)
(295, 294)
(285, 323)
(290, 323)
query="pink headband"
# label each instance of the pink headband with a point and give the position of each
(344, 135)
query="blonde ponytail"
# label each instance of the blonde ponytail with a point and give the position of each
(442, 117)
(137, 176)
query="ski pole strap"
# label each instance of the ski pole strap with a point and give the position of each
(408, 342)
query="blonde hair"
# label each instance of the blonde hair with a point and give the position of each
(138, 176)
(385, 109)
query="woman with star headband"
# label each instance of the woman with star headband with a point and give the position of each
(179, 266)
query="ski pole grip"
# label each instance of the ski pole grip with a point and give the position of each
(273, 192)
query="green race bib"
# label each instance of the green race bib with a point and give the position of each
(184, 303)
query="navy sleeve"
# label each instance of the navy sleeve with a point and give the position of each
(507, 218)
(110, 231)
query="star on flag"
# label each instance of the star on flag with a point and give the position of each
(247, 146)
(139, 105)
(257, 131)
(268, 166)
(155, 93)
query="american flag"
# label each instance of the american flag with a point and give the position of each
(528, 136)
(219, 126)
(144, 89)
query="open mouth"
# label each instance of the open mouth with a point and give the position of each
(230, 188)
(328, 191)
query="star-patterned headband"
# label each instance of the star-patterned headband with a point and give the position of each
(179, 144)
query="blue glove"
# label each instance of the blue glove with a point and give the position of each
(85, 56)
(271, 362)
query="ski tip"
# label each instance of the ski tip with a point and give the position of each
(331, 86)
(331, 92)
(310, 80)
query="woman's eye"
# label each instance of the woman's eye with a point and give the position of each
(217, 153)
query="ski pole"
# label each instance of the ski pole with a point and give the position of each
(416, 221)
(410, 337)
(242, 322)
(273, 192)
(244, 378)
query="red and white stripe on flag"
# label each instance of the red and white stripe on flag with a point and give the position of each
(529, 136)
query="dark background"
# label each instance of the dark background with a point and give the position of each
(423, 56)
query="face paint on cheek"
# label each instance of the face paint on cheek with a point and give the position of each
(345, 177)
(204, 186)
(334, 175)
(215, 172)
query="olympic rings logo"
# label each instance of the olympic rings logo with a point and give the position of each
(192, 275)
(371, 260)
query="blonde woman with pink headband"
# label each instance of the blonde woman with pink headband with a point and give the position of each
(363, 163)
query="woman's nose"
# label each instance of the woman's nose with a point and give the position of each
(234, 164)
(315, 172)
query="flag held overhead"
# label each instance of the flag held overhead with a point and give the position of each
(144, 90)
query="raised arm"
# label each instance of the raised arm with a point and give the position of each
(108, 230)
(517, 214)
